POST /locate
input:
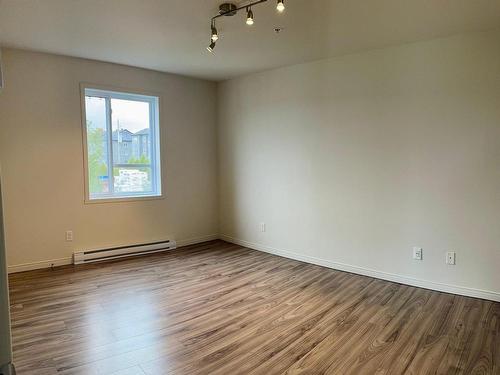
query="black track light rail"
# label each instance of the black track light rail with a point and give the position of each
(235, 10)
(230, 9)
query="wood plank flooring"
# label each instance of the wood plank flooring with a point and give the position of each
(218, 308)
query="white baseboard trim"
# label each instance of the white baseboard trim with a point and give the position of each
(454, 289)
(65, 261)
(193, 241)
(39, 265)
(441, 287)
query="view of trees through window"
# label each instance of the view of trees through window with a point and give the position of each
(120, 145)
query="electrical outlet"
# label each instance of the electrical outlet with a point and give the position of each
(69, 235)
(418, 253)
(451, 258)
(262, 227)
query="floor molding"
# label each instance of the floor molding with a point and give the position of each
(195, 240)
(69, 260)
(447, 288)
(39, 265)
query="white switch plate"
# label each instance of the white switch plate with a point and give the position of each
(262, 227)
(418, 253)
(451, 258)
(69, 235)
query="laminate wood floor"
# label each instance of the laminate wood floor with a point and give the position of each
(218, 308)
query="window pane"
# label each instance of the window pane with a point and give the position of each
(131, 146)
(123, 149)
(97, 145)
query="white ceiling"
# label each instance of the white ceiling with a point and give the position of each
(171, 35)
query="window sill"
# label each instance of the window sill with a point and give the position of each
(124, 199)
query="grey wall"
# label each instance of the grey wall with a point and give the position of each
(352, 161)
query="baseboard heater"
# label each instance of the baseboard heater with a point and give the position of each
(91, 256)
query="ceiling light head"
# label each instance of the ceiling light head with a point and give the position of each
(280, 5)
(249, 17)
(211, 47)
(215, 34)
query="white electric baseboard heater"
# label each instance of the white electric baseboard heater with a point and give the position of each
(91, 256)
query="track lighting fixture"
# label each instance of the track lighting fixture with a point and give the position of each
(230, 9)
(281, 5)
(249, 17)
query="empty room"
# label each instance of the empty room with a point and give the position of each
(254, 187)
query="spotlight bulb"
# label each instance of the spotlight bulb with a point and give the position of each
(250, 17)
(215, 34)
(281, 5)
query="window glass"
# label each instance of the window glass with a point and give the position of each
(122, 144)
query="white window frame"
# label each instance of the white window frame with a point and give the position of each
(109, 93)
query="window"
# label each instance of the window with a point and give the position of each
(122, 149)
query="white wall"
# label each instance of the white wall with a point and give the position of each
(352, 161)
(42, 160)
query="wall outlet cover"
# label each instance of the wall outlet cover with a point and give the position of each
(418, 253)
(451, 258)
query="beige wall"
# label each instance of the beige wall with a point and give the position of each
(352, 161)
(42, 160)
